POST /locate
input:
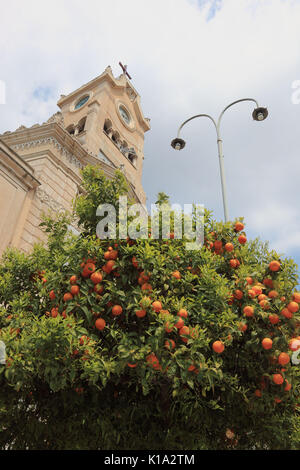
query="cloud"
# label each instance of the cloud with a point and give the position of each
(185, 57)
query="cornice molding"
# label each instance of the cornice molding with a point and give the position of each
(50, 140)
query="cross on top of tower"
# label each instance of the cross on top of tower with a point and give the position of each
(124, 68)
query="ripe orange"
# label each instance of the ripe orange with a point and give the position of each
(96, 277)
(180, 323)
(88, 269)
(176, 274)
(147, 286)
(54, 312)
(296, 297)
(75, 290)
(268, 282)
(251, 293)
(242, 239)
(283, 359)
(182, 313)
(262, 297)
(157, 306)
(218, 347)
(184, 330)
(288, 386)
(274, 266)
(287, 313)
(267, 343)
(248, 311)
(191, 368)
(258, 393)
(143, 278)
(116, 310)
(169, 344)
(73, 279)
(140, 313)
(257, 289)
(293, 307)
(100, 324)
(239, 227)
(109, 266)
(134, 262)
(218, 244)
(229, 247)
(249, 280)
(264, 304)
(153, 360)
(113, 254)
(52, 295)
(273, 294)
(67, 297)
(238, 294)
(274, 319)
(278, 379)
(233, 263)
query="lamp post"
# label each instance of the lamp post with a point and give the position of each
(259, 114)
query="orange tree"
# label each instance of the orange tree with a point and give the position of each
(141, 344)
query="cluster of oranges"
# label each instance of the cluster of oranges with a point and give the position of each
(251, 299)
(258, 300)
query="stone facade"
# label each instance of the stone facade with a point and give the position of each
(101, 124)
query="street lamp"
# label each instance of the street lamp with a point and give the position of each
(259, 114)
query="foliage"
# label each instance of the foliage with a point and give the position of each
(68, 385)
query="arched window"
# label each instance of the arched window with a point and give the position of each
(132, 156)
(71, 129)
(124, 147)
(107, 125)
(115, 137)
(81, 125)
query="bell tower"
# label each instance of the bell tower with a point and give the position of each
(105, 116)
(101, 123)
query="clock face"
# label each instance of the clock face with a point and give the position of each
(81, 102)
(125, 115)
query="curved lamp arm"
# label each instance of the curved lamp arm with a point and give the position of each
(229, 106)
(194, 117)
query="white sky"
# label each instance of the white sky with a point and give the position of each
(185, 57)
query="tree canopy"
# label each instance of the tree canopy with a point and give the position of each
(143, 344)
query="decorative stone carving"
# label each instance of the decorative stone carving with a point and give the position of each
(45, 198)
(130, 93)
(57, 117)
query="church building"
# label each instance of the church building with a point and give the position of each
(101, 123)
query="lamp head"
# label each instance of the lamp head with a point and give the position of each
(178, 144)
(260, 114)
